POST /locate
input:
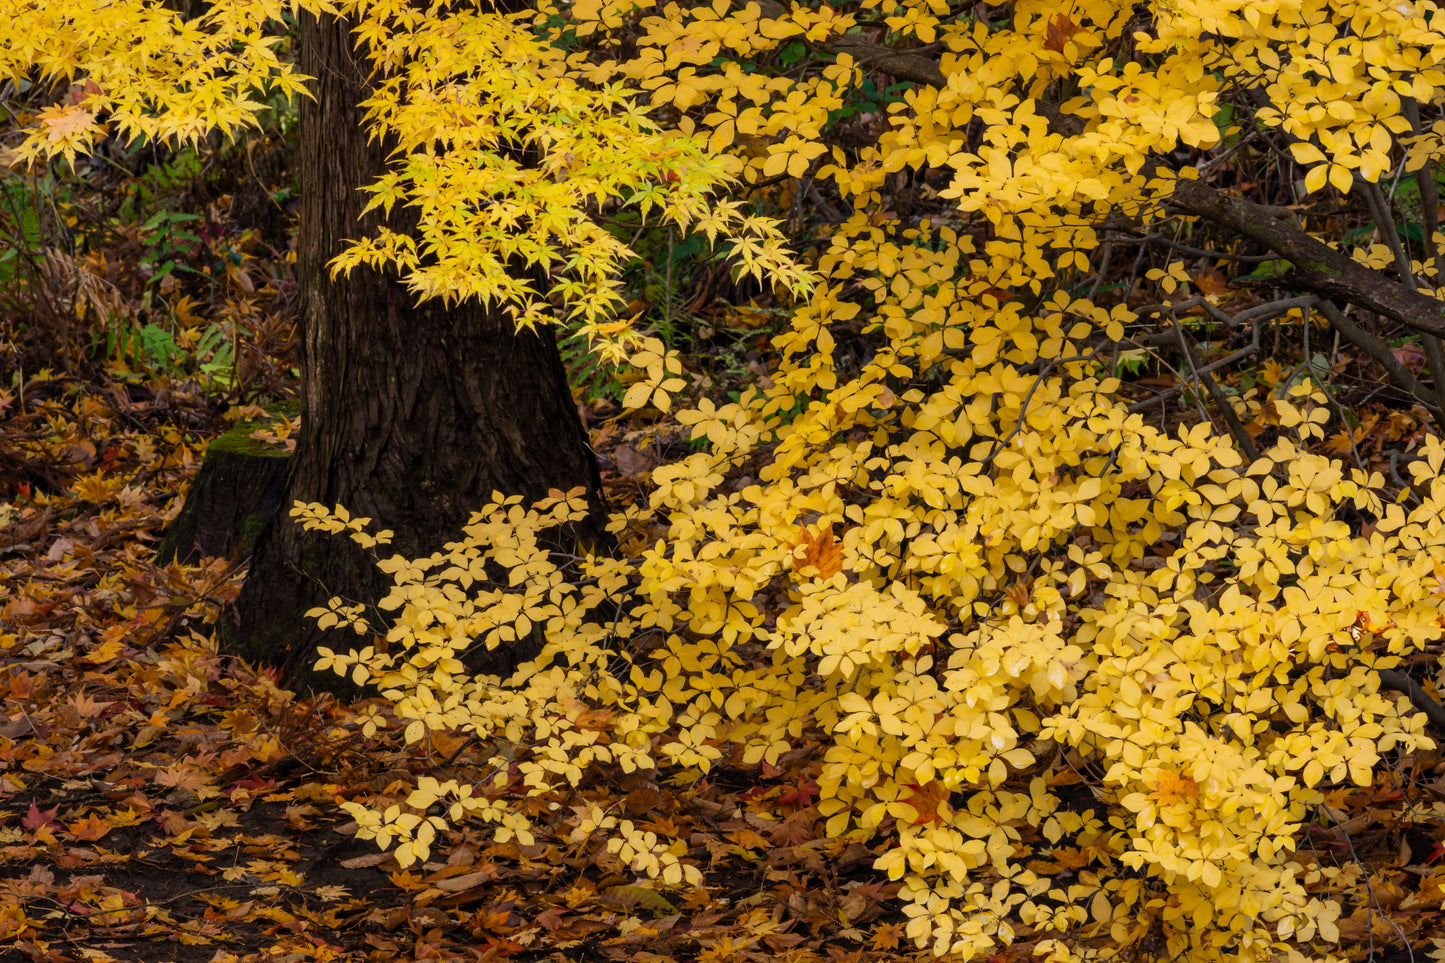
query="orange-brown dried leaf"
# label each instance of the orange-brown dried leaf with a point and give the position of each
(925, 800)
(820, 552)
(1211, 283)
(89, 829)
(1059, 32)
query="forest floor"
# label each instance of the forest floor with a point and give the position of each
(162, 801)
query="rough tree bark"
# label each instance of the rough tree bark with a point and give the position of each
(411, 415)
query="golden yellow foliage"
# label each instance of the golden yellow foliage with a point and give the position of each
(962, 556)
(466, 93)
(950, 561)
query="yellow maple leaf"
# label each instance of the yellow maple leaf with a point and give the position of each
(65, 129)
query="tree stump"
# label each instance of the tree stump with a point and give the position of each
(233, 497)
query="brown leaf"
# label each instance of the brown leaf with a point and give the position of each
(1410, 355)
(783, 941)
(20, 726)
(28, 531)
(551, 918)
(644, 800)
(1059, 32)
(366, 861)
(631, 461)
(821, 552)
(466, 881)
(82, 451)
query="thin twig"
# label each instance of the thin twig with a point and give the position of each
(1381, 354)
(1385, 230)
(1182, 248)
(1226, 408)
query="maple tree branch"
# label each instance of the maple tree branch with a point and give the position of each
(1138, 236)
(1400, 682)
(1380, 352)
(905, 66)
(1385, 230)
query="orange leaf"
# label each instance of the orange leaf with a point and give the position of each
(600, 720)
(1211, 283)
(924, 800)
(103, 653)
(89, 829)
(1173, 787)
(887, 936)
(821, 551)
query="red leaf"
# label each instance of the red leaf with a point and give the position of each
(35, 819)
(254, 784)
(1059, 32)
(802, 797)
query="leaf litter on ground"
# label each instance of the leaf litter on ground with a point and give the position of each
(162, 800)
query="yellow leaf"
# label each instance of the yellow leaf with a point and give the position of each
(637, 395)
(1341, 178)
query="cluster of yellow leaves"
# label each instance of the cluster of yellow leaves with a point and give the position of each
(1213, 725)
(962, 557)
(338, 520)
(152, 74)
(506, 157)
(491, 589)
(950, 562)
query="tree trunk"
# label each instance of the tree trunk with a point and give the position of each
(411, 415)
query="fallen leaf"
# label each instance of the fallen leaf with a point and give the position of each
(36, 818)
(458, 884)
(366, 861)
(89, 829)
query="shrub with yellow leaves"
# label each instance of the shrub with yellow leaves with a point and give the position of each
(1087, 679)
(1207, 700)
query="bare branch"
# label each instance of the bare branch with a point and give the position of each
(1317, 266)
